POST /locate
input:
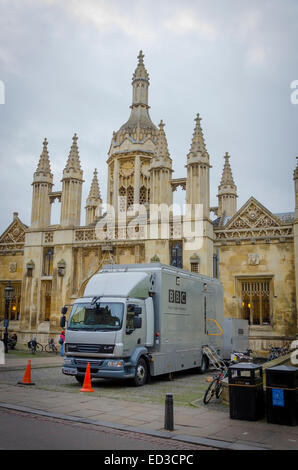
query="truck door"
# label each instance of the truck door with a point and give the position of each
(206, 312)
(211, 326)
(134, 337)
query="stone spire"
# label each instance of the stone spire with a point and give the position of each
(161, 171)
(227, 191)
(94, 201)
(73, 161)
(198, 151)
(198, 202)
(42, 186)
(94, 192)
(139, 123)
(141, 75)
(44, 161)
(72, 181)
(162, 155)
(197, 183)
(227, 177)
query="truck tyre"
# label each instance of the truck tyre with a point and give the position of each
(80, 379)
(204, 365)
(141, 374)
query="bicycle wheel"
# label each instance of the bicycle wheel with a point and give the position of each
(39, 347)
(48, 348)
(210, 391)
(218, 390)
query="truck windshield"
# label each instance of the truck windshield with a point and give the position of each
(96, 317)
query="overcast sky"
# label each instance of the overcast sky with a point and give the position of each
(67, 67)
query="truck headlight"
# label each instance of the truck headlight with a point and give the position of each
(115, 364)
(67, 362)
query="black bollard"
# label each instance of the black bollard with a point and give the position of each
(169, 413)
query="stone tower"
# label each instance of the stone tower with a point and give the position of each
(227, 191)
(197, 185)
(94, 201)
(42, 186)
(296, 235)
(72, 181)
(132, 148)
(198, 199)
(161, 171)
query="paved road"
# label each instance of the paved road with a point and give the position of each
(23, 431)
(186, 386)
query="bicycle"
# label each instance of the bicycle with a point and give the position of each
(216, 387)
(50, 347)
(275, 352)
(34, 346)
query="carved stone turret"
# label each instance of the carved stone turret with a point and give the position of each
(42, 186)
(198, 184)
(161, 171)
(94, 201)
(132, 148)
(198, 203)
(72, 181)
(227, 191)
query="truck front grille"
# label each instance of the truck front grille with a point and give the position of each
(91, 348)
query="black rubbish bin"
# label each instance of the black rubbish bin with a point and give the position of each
(246, 391)
(282, 395)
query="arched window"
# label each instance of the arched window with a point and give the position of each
(130, 197)
(48, 262)
(143, 198)
(122, 201)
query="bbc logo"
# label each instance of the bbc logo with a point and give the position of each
(177, 296)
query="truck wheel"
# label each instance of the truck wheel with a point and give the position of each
(204, 365)
(80, 379)
(141, 374)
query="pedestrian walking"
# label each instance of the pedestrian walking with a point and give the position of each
(61, 342)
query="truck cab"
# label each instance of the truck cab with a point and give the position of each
(111, 333)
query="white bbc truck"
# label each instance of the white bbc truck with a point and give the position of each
(142, 320)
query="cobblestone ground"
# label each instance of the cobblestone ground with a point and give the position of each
(187, 388)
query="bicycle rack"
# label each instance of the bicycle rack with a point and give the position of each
(214, 358)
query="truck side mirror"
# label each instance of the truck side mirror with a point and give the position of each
(137, 322)
(62, 321)
(64, 310)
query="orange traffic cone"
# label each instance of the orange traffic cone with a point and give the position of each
(87, 381)
(27, 376)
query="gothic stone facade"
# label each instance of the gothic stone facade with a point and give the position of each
(251, 250)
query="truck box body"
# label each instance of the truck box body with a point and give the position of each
(180, 312)
(236, 336)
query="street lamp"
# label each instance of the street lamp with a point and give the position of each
(8, 295)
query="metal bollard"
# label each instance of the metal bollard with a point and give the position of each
(169, 413)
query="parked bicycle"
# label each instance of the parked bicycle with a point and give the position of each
(215, 387)
(275, 352)
(34, 346)
(50, 347)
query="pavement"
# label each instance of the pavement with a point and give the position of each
(202, 425)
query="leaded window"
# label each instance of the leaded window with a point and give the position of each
(256, 301)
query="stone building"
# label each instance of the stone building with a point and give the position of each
(252, 251)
